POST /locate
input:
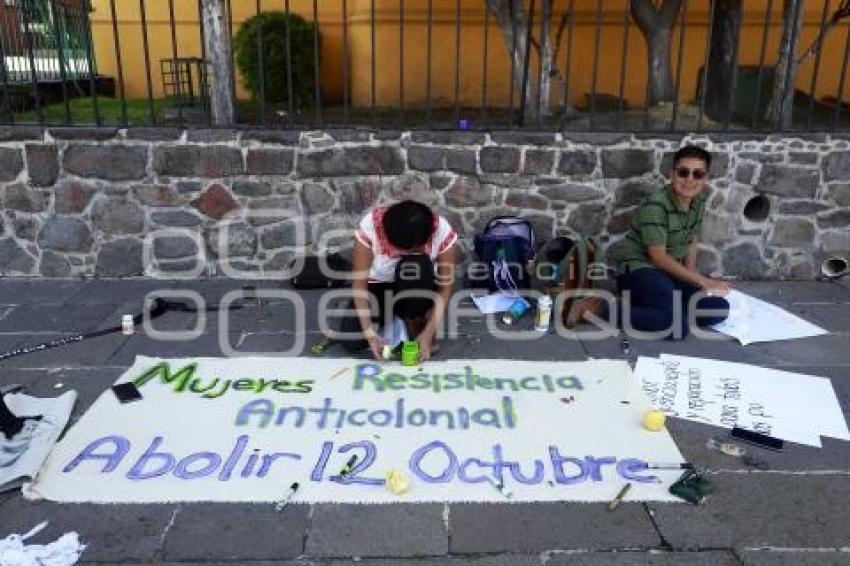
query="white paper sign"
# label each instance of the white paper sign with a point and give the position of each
(753, 320)
(246, 429)
(795, 407)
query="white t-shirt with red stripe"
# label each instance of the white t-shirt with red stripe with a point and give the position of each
(371, 234)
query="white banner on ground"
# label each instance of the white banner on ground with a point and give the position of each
(795, 407)
(246, 429)
(752, 320)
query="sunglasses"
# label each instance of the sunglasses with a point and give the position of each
(697, 174)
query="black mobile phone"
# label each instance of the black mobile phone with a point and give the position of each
(756, 438)
(127, 392)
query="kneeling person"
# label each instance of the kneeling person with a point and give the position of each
(402, 249)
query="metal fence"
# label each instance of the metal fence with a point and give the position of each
(439, 64)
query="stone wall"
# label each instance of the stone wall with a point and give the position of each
(119, 203)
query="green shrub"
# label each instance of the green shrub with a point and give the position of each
(273, 26)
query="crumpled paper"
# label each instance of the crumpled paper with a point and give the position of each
(62, 552)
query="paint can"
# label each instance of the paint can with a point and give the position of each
(410, 353)
(516, 311)
(544, 313)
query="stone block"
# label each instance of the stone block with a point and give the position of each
(117, 216)
(788, 181)
(413, 187)
(251, 188)
(22, 198)
(523, 138)
(211, 135)
(316, 198)
(802, 158)
(174, 247)
(835, 219)
(21, 133)
(525, 528)
(588, 219)
(211, 162)
(54, 265)
(468, 192)
(262, 211)
(499, 159)
(708, 261)
(78, 133)
(215, 202)
(577, 162)
(284, 234)
(836, 166)
(72, 197)
(153, 134)
(11, 163)
(632, 193)
(358, 196)
(158, 195)
(370, 530)
(25, 227)
(840, 193)
(744, 260)
(571, 193)
(65, 234)
(232, 240)
(351, 161)
(180, 218)
(279, 137)
(744, 173)
(620, 223)
(792, 232)
(832, 242)
(426, 158)
(269, 161)
(543, 225)
(14, 259)
(801, 207)
(120, 258)
(524, 199)
(450, 138)
(538, 162)
(718, 229)
(764, 158)
(42, 164)
(108, 162)
(625, 163)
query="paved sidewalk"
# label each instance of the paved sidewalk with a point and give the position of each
(797, 513)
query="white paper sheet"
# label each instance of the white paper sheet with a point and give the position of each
(795, 407)
(753, 320)
(496, 302)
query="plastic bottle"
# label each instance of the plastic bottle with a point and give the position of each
(127, 324)
(544, 313)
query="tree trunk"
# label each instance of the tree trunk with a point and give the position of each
(220, 78)
(782, 101)
(722, 59)
(656, 25)
(510, 17)
(546, 61)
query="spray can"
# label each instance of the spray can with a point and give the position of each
(127, 324)
(410, 353)
(544, 313)
(515, 312)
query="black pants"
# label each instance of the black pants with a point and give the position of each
(413, 273)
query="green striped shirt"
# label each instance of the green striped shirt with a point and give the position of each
(659, 220)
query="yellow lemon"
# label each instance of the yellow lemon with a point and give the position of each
(653, 420)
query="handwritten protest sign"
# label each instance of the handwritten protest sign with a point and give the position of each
(245, 429)
(795, 407)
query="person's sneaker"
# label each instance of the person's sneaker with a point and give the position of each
(580, 309)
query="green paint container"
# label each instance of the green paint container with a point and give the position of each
(410, 353)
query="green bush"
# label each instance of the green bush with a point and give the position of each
(273, 26)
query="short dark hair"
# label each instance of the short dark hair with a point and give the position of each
(408, 224)
(694, 152)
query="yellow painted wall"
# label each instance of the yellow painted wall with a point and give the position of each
(444, 48)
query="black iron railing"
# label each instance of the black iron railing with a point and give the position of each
(437, 64)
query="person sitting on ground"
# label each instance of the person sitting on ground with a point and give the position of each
(658, 259)
(402, 249)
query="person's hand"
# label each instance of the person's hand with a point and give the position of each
(376, 344)
(715, 287)
(426, 344)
